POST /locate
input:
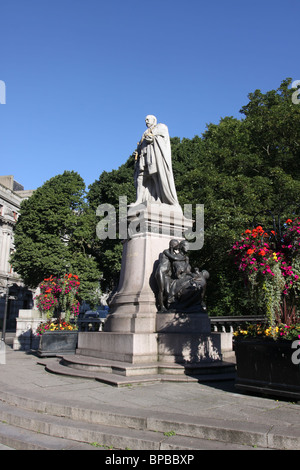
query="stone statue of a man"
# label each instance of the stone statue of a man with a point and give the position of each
(154, 179)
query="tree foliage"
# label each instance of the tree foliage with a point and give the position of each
(53, 235)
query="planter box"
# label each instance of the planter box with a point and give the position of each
(55, 343)
(267, 367)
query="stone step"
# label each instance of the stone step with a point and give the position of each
(122, 374)
(62, 427)
(17, 438)
(126, 368)
(142, 430)
(116, 380)
(3, 447)
(23, 429)
(107, 378)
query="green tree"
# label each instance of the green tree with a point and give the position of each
(247, 166)
(53, 235)
(272, 120)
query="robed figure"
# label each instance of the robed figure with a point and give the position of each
(154, 180)
(179, 288)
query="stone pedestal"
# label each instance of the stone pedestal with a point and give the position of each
(133, 308)
(134, 332)
(27, 323)
(183, 323)
(186, 338)
(134, 348)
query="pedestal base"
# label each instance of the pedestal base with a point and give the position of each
(192, 323)
(175, 348)
(186, 338)
(178, 338)
(187, 348)
(134, 348)
(134, 333)
(133, 307)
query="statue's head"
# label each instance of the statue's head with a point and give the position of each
(205, 274)
(150, 120)
(173, 243)
(184, 246)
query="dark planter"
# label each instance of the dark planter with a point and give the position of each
(54, 343)
(268, 367)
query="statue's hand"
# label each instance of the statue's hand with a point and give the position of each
(149, 137)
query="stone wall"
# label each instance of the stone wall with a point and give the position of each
(27, 323)
(11, 196)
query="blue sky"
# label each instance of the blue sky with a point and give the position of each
(81, 75)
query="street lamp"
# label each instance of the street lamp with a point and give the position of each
(6, 292)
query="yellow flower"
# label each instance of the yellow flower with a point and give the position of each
(240, 332)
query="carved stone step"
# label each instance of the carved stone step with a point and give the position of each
(122, 374)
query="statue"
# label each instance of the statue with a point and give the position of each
(179, 289)
(163, 273)
(154, 181)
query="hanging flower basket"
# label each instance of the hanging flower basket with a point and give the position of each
(59, 294)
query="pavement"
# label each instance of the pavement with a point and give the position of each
(159, 416)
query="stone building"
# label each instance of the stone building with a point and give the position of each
(18, 296)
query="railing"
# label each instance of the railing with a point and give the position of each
(220, 324)
(230, 324)
(89, 324)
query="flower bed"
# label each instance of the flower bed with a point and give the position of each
(280, 331)
(57, 325)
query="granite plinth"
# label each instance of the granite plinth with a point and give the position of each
(134, 331)
(151, 227)
(133, 348)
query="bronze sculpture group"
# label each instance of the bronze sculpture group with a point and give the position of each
(179, 289)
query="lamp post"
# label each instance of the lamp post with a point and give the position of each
(6, 291)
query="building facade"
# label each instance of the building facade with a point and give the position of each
(13, 293)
